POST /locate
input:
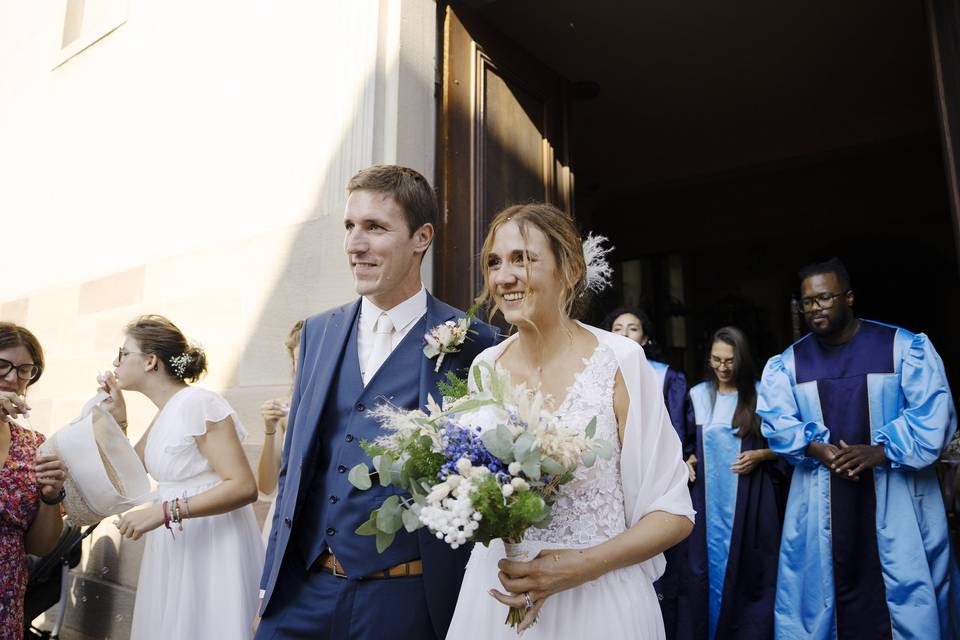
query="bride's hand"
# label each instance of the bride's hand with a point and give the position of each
(552, 571)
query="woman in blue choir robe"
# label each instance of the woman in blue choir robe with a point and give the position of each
(633, 323)
(672, 587)
(739, 493)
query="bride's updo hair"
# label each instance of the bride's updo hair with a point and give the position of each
(157, 335)
(565, 242)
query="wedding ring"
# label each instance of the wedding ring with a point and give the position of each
(526, 596)
(556, 557)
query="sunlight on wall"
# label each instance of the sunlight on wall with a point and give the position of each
(191, 125)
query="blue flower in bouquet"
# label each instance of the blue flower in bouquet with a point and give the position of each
(464, 442)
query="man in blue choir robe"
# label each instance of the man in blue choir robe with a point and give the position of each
(863, 410)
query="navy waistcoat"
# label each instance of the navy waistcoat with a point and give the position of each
(333, 508)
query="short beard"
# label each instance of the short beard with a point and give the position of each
(834, 327)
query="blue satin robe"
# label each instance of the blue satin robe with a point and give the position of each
(736, 538)
(845, 570)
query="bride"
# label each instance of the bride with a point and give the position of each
(590, 572)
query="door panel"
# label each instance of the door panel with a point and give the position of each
(503, 140)
(943, 18)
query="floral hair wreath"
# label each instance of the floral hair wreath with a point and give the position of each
(179, 364)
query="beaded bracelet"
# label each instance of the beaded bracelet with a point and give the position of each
(177, 519)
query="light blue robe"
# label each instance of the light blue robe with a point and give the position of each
(911, 413)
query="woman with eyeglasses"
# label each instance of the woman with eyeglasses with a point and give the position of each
(739, 493)
(31, 486)
(199, 577)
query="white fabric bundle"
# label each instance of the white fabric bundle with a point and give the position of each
(104, 474)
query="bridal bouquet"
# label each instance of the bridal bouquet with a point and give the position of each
(485, 465)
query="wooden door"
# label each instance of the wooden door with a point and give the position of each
(502, 139)
(943, 18)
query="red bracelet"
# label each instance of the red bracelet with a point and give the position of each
(166, 517)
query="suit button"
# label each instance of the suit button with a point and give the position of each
(331, 531)
(342, 469)
(334, 499)
(349, 438)
(287, 522)
(360, 407)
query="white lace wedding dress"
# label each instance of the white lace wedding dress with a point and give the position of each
(598, 504)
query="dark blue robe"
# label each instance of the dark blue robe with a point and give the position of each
(734, 547)
(673, 587)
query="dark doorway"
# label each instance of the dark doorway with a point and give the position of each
(722, 149)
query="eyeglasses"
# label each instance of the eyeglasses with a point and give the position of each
(717, 363)
(121, 353)
(27, 371)
(823, 301)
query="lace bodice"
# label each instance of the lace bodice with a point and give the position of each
(590, 507)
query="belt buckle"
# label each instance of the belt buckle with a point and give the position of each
(334, 563)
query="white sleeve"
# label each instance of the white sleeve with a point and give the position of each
(197, 411)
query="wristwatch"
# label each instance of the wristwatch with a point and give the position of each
(55, 501)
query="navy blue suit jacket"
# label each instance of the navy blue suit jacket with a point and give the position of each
(322, 342)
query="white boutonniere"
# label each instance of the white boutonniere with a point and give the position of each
(446, 338)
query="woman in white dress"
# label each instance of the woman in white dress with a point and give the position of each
(591, 570)
(275, 414)
(203, 556)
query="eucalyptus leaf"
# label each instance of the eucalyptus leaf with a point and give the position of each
(589, 457)
(531, 468)
(592, 427)
(388, 516)
(523, 446)
(550, 466)
(410, 520)
(604, 449)
(404, 479)
(472, 404)
(359, 477)
(496, 444)
(384, 464)
(368, 528)
(384, 540)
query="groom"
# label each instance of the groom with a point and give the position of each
(320, 579)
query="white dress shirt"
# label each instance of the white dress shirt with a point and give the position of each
(403, 316)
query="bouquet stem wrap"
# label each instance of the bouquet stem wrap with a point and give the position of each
(517, 552)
